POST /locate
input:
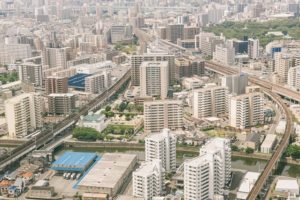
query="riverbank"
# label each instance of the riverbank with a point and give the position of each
(193, 151)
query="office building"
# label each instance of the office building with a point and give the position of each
(174, 32)
(209, 101)
(294, 77)
(120, 33)
(55, 84)
(253, 48)
(187, 68)
(208, 42)
(137, 60)
(205, 177)
(163, 114)
(61, 104)
(190, 32)
(236, 84)
(240, 46)
(55, 57)
(9, 53)
(31, 73)
(154, 79)
(148, 180)
(98, 83)
(224, 54)
(23, 114)
(162, 146)
(246, 110)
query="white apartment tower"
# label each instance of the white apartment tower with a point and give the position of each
(253, 48)
(294, 77)
(23, 114)
(224, 54)
(283, 62)
(205, 176)
(162, 146)
(148, 180)
(137, 60)
(98, 83)
(163, 114)
(154, 79)
(209, 101)
(246, 110)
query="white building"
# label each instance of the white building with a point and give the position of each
(246, 110)
(93, 120)
(148, 180)
(283, 62)
(253, 48)
(247, 184)
(93, 68)
(154, 79)
(162, 146)
(294, 77)
(55, 57)
(163, 114)
(98, 83)
(289, 186)
(192, 82)
(224, 54)
(205, 176)
(209, 101)
(23, 114)
(268, 144)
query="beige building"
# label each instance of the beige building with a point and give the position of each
(163, 114)
(55, 57)
(61, 103)
(9, 53)
(154, 79)
(55, 84)
(31, 73)
(98, 83)
(224, 54)
(209, 101)
(246, 110)
(137, 60)
(23, 114)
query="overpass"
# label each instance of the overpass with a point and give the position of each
(48, 135)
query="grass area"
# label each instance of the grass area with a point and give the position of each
(9, 77)
(258, 30)
(220, 133)
(128, 49)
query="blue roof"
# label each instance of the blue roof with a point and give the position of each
(74, 161)
(78, 81)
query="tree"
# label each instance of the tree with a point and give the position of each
(293, 151)
(249, 150)
(86, 133)
(107, 108)
(234, 148)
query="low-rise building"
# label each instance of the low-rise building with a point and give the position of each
(246, 185)
(93, 120)
(269, 143)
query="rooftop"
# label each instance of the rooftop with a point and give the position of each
(107, 172)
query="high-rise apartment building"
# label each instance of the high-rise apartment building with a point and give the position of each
(55, 84)
(98, 83)
(61, 104)
(137, 60)
(205, 177)
(148, 180)
(163, 114)
(23, 114)
(174, 32)
(246, 110)
(224, 54)
(283, 62)
(187, 68)
(209, 101)
(9, 53)
(208, 42)
(154, 79)
(55, 57)
(162, 146)
(236, 84)
(253, 48)
(294, 77)
(31, 73)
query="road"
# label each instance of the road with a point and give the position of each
(44, 137)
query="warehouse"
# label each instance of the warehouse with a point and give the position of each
(268, 144)
(74, 162)
(109, 174)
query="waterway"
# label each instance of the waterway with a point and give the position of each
(247, 164)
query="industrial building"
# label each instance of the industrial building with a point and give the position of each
(74, 162)
(109, 174)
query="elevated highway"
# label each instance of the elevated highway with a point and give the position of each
(45, 137)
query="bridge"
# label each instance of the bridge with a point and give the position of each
(48, 135)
